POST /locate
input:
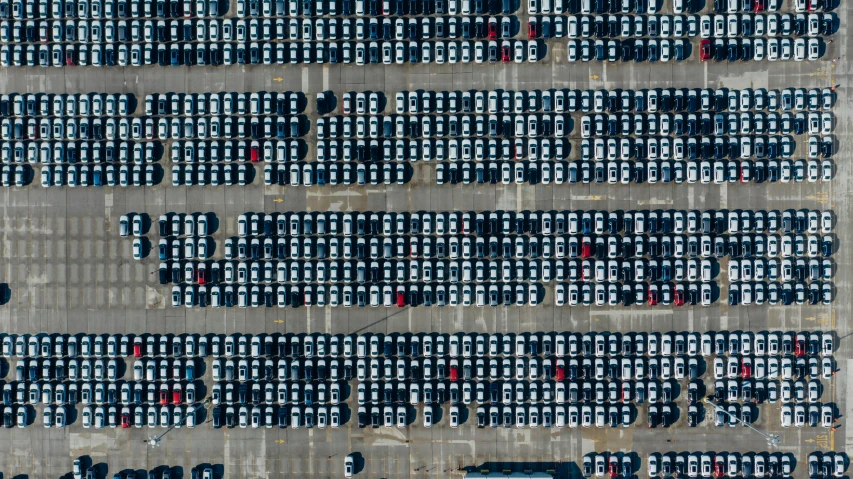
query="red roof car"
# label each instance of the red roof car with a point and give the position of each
(254, 154)
(653, 297)
(679, 298)
(705, 49)
(125, 420)
(137, 350)
(505, 52)
(164, 397)
(531, 28)
(401, 299)
(493, 29)
(759, 6)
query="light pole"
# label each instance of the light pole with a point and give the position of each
(154, 441)
(772, 439)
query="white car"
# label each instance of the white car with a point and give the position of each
(349, 466)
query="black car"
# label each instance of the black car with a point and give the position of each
(826, 246)
(719, 52)
(282, 417)
(216, 414)
(746, 52)
(639, 51)
(653, 52)
(627, 49)
(732, 51)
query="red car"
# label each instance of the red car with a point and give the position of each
(531, 29)
(401, 299)
(746, 371)
(164, 397)
(653, 298)
(799, 348)
(614, 469)
(505, 53)
(759, 6)
(585, 249)
(679, 298)
(69, 58)
(719, 469)
(137, 350)
(253, 154)
(454, 373)
(125, 420)
(201, 276)
(493, 29)
(559, 373)
(705, 49)
(176, 396)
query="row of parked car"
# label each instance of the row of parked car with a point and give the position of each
(478, 271)
(214, 175)
(636, 50)
(296, 8)
(413, 150)
(705, 172)
(308, 174)
(268, 53)
(399, 126)
(108, 9)
(229, 30)
(481, 258)
(696, 464)
(83, 175)
(201, 151)
(467, 345)
(520, 369)
(654, 100)
(80, 175)
(227, 103)
(449, 294)
(137, 128)
(304, 174)
(725, 147)
(626, 294)
(627, 124)
(746, 293)
(66, 104)
(451, 28)
(83, 152)
(116, 345)
(773, 49)
(546, 223)
(169, 416)
(69, 391)
(101, 369)
(680, 26)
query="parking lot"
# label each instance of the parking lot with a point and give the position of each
(68, 270)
